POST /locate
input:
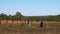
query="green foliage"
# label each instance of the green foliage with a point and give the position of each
(19, 16)
(3, 16)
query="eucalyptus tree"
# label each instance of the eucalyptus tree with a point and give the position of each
(4, 17)
(18, 15)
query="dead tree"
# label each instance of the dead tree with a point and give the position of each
(22, 24)
(0, 21)
(28, 23)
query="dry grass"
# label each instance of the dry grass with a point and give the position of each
(29, 30)
(16, 28)
(34, 22)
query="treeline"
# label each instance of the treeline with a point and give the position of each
(19, 16)
(51, 18)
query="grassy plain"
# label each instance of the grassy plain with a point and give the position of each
(49, 28)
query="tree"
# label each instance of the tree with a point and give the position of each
(29, 23)
(0, 19)
(18, 15)
(9, 17)
(4, 17)
(13, 18)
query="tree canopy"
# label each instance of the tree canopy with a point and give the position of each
(19, 16)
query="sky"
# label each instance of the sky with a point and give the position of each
(30, 7)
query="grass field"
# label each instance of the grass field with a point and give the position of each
(50, 28)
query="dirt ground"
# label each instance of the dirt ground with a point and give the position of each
(51, 27)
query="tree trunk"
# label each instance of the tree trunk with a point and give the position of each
(22, 24)
(0, 21)
(6, 21)
(28, 23)
(12, 21)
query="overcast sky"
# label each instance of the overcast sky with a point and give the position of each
(30, 7)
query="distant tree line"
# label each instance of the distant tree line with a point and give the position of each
(19, 16)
